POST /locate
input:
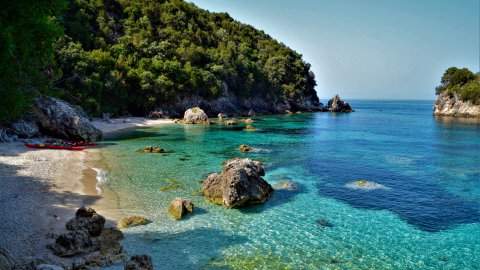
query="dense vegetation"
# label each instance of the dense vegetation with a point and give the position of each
(463, 82)
(27, 31)
(131, 56)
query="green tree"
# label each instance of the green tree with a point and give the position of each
(28, 30)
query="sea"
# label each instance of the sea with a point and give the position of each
(419, 210)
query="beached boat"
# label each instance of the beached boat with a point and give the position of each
(54, 146)
(72, 143)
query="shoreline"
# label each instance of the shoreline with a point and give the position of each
(43, 188)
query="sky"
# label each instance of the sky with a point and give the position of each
(369, 49)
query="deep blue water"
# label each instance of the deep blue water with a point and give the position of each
(425, 216)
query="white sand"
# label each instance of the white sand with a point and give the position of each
(40, 189)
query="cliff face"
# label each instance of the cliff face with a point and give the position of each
(452, 105)
(229, 103)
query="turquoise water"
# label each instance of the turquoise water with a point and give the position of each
(427, 216)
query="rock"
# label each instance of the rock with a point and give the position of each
(47, 267)
(230, 122)
(239, 184)
(366, 185)
(59, 118)
(180, 207)
(72, 243)
(287, 185)
(245, 148)
(5, 261)
(156, 115)
(324, 223)
(132, 221)
(249, 128)
(221, 116)
(26, 128)
(87, 219)
(139, 262)
(196, 116)
(151, 149)
(248, 120)
(79, 263)
(452, 105)
(337, 105)
(251, 112)
(289, 112)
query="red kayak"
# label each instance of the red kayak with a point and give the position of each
(53, 146)
(73, 143)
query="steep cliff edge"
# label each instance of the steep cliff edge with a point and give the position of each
(452, 105)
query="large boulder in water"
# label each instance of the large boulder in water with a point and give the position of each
(62, 119)
(337, 105)
(196, 116)
(239, 184)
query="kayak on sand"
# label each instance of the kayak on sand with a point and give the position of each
(73, 143)
(54, 146)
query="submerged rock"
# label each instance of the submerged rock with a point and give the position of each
(324, 223)
(365, 185)
(151, 149)
(337, 105)
(240, 184)
(249, 128)
(287, 185)
(132, 221)
(87, 219)
(139, 262)
(196, 116)
(245, 148)
(180, 207)
(59, 118)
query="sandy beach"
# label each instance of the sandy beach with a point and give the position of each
(41, 189)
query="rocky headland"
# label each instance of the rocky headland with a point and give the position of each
(452, 105)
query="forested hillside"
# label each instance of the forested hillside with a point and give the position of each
(132, 56)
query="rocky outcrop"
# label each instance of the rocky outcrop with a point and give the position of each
(139, 262)
(132, 221)
(26, 128)
(452, 105)
(58, 118)
(88, 220)
(72, 243)
(151, 149)
(335, 104)
(239, 184)
(196, 116)
(180, 207)
(87, 235)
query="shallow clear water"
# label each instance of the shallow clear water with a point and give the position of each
(426, 217)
